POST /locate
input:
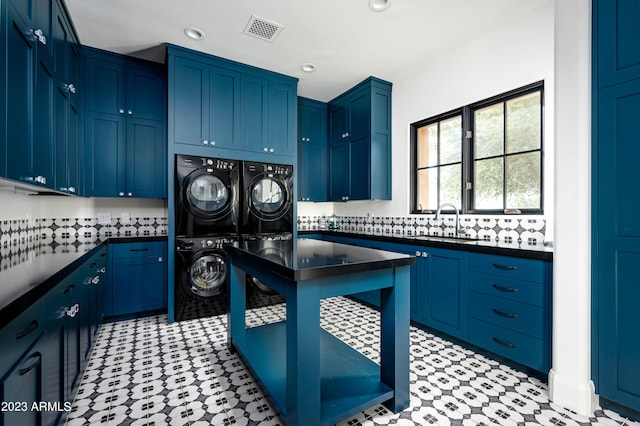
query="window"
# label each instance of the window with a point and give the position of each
(482, 158)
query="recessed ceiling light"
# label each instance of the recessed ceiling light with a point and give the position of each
(194, 33)
(379, 5)
(308, 67)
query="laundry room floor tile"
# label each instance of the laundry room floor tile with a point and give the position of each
(148, 372)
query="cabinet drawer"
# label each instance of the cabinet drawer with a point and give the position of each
(520, 317)
(510, 344)
(141, 249)
(533, 293)
(510, 267)
(19, 334)
(58, 299)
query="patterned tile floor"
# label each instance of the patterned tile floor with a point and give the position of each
(149, 372)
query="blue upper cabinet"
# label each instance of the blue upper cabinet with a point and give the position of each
(360, 143)
(229, 108)
(20, 58)
(312, 150)
(40, 84)
(618, 56)
(125, 145)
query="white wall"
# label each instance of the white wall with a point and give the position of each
(20, 206)
(506, 58)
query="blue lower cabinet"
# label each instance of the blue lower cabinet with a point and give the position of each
(511, 344)
(20, 389)
(443, 281)
(137, 278)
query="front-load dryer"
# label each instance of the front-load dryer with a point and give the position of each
(268, 198)
(201, 280)
(207, 197)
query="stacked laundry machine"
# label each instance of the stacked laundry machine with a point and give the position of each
(218, 202)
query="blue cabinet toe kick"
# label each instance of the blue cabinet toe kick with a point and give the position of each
(350, 382)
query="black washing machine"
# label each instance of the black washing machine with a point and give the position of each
(268, 198)
(207, 196)
(201, 280)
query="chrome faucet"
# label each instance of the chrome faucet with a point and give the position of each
(455, 209)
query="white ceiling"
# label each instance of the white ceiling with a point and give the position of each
(345, 40)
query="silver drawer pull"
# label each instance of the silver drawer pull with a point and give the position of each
(505, 289)
(504, 343)
(73, 311)
(504, 314)
(504, 267)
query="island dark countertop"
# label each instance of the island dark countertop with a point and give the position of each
(304, 259)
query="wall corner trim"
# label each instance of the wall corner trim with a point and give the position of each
(575, 395)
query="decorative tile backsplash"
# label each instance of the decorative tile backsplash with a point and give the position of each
(491, 228)
(20, 234)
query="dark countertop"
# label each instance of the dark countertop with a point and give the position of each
(28, 272)
(516, 249)
(304, 259)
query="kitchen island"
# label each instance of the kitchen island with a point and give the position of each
(312, 377)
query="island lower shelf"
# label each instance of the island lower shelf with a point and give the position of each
(349, 381)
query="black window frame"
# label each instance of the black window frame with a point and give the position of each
(467, 192)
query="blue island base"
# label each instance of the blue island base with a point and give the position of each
(349, 381)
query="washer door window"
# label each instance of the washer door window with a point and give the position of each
(208, 196)
(268, 198)
(208, 275)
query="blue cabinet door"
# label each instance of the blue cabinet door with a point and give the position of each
(339, 172)
(145, 93)
(137, 278)
(253, 113)
(20, 67)
(312, 150)
(617, 35)
(444, 282)
(281, 125)
(618, 244)
(312, 172)
(224, 108)
(338, 121)
(105, 154)
(360, 168)
(22, 385)
(145, 159)
(190, 102)
(53, 351)
(104, 86)
(43, 142)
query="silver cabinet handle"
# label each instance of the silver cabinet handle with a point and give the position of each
(205, 142)
(266, 149)
(130, 194)
(73, 311)
(425, 254)
(72, 189)
(212, 143)
(40, 36)
(121, 111)
(130, 112)
(71, 88)
(160, 260)
(121, 194)
(270, 149)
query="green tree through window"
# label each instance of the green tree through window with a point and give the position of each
(483, 158)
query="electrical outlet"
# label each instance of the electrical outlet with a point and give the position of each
(104, 218)
(125, 219)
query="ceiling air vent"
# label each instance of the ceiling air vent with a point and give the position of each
(262, 28)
